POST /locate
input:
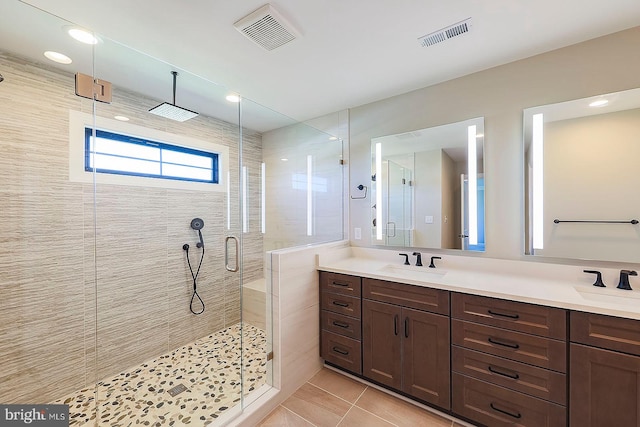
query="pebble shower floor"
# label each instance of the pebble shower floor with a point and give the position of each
(209, 368)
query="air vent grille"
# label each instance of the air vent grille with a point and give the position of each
(445, 33)
(267, 28)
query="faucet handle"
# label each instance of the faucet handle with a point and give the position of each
(406, 258)
(418, 259)
(624, 279)
(432, 265)
(599, 283)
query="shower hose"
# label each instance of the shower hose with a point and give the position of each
(195, 281)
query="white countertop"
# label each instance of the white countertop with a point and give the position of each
(552, 285)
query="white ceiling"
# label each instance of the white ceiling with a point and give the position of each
(351, 52)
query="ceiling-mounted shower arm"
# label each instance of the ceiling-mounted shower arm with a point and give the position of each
(175, 77)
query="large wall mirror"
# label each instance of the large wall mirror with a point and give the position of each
(428, 187)
(582, 174)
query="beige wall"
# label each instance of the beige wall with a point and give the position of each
(602, 65)
(48, 272)
(586, 178)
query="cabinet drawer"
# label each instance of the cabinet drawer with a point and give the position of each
(340, 324)
(340, 283)
(418, 297)
(538, 382)
(518, 316)
(496, 406)
(613, 333)
(342, 304)
(341, 351)
(531, 349)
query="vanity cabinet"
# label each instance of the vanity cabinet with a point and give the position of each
(605, 371)
(509, 362)
(405, 339)
(340, 320)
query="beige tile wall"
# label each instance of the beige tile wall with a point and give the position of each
(48, 271)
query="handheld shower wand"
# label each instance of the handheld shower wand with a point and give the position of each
(196, 224)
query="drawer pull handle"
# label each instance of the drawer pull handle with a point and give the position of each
(339, 284)
(511, 414)
(340, 324)
(514, 346)
(513, 376)
(395, 325)
(509, 316)
(340, 303)
(341, 351)
(406, 327)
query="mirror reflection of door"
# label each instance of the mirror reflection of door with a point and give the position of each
(466, 245)
(397, 198)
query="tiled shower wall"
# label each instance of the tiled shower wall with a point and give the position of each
(57, 270)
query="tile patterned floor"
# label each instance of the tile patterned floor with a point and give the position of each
(330, 399)
(209, 368)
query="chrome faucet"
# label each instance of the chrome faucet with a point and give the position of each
(624, 279)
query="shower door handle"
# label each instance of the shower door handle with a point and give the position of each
(394, 229)
(226, 254)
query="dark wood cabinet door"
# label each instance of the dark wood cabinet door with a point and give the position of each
(425, 350)
(605, 388)
(381, 343)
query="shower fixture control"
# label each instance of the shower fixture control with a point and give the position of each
(196, 224)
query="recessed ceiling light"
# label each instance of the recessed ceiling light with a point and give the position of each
(58, 57)
(332, 138)
(284, 160)
(233, 98)
(121, 118)
(599, 103)
(480, 135)
(82, 36)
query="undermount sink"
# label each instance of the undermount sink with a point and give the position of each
(412, 272)
(609, 295)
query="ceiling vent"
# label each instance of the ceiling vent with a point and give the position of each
(267, 28)
(446, 33)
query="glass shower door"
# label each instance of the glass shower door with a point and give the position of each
(168, 244)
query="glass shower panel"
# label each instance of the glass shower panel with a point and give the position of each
(304, 185)
(44, 285)
(168, 311)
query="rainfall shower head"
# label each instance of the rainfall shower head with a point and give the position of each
(172, 111)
